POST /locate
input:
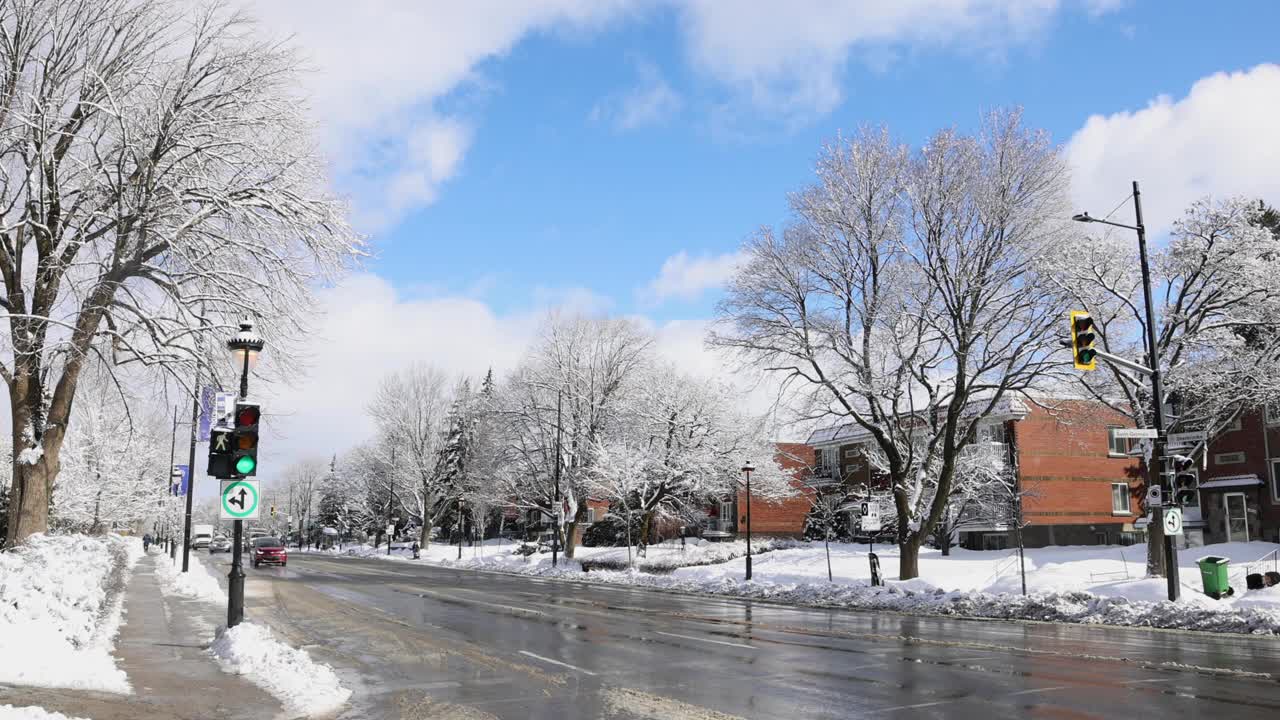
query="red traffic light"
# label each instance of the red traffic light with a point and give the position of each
(247, 415)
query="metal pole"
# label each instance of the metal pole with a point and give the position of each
(235, 579)
(168, 521)
(459, 527)
(555, 535)
(191, 472)
(748, 524)
(1156, 468)
(391, 499)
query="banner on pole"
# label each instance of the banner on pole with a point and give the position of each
(206, 413)
(181, 480)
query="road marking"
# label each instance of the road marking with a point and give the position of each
(1032, 691)
(556, 662)
(706, 640)
(512, 608)
(920, 705)
(1150, 680)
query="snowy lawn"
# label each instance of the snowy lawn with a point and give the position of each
(61, 599)
(1088, 584)
(304, 686)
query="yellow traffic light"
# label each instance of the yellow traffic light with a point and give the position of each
(1083, 354)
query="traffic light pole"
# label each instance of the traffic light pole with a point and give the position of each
(235, 579)
(1156, 468)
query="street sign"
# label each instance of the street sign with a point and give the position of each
(239, 500)
(181, 482)
(1134, 433)
(1173, 521)
(1184, 439)
(224, 406)
(870, 517)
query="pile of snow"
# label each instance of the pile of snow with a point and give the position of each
(303, 686)
(61, 599)
(31, 712)
(196, 583)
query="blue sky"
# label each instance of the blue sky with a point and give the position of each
(552, 195)
(508, 158)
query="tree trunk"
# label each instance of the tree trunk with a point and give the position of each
(571, 531)
(646, 523)
(424, 537)
(909, 562)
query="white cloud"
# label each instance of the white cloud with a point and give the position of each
(790, 57)
(652, 101)
(1220, 139)
(378, 69)
(684, 277)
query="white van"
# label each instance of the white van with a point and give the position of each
(201, 535)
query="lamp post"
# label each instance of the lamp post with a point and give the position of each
(746, 470)
(245, 347)
(1157, 394)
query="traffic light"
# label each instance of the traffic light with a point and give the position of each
(1186, 483)
(1083, 353)
(244, 450)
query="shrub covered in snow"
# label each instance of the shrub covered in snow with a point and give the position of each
(196, 583)
(60, 605)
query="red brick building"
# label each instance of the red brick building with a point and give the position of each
(1238, 473)
(1079, 486)
(782, 518)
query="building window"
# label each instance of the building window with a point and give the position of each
(851, 452)
(1119, 498)
(1275, 479)
(827, 462)
(1232, 426)
(1273, 414)
(993, 432)
(1231, 458)
(591, 515)
(1118, 447)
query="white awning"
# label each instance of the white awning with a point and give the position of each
(1232, 481)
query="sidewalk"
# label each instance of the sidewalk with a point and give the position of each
(161, 646)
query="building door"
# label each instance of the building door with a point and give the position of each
(726, 516)
(1237, 517)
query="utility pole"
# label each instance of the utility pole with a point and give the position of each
(558, 509)
(1156, 465)
(191, 471)
(168, 522)
(460, 526)
(1157, 468)
(391, 483)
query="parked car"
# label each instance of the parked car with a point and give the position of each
(201, 535)
(219, 544)
(269, 550)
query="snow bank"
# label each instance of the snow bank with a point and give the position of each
(196, 583)
(61, 599)
(31, 712)
(1099, 584)
(302, 685)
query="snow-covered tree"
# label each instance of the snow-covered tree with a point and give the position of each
(1217, 319)
(589, 364)
(410, 408)
(907, 297)
(157, 182)
(678, 444)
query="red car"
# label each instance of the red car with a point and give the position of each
(269, 550)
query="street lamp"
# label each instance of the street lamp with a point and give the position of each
(1157, 453)
(245, 347)
(746, 470)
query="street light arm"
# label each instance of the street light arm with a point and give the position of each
(1087, 218)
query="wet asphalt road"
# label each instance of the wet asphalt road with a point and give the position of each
(417, 641)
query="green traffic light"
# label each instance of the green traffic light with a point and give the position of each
(1087, 355)
(245, 465)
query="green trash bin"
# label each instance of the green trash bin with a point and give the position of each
(1213, 573)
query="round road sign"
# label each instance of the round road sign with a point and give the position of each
(1173, 521)
(240, 499)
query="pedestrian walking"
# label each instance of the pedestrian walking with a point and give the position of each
(146, 542)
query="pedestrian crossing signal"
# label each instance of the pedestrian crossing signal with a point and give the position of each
(220, 442)
(1083, 335)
